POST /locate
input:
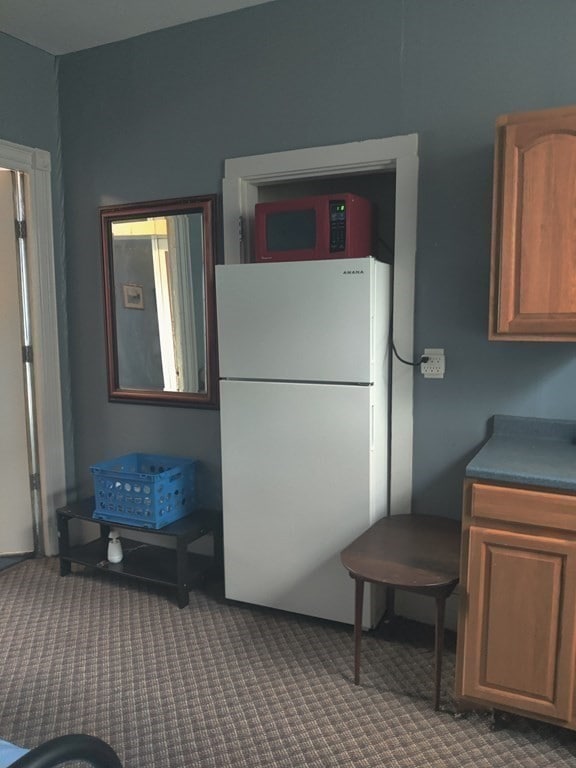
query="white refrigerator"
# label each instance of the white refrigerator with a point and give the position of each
(304, 358)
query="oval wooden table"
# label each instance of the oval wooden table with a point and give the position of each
(418, 553)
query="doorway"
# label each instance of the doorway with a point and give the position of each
(16, 519)
(17, 526)
(248, 180)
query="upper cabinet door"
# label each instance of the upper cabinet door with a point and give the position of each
(533, 279)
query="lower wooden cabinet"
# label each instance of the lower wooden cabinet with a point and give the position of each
(517, 627)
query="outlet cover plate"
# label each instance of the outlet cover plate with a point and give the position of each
(435, 366)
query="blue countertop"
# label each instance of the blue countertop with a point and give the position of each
(528, 451)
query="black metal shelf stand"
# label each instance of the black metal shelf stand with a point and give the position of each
(172, 567)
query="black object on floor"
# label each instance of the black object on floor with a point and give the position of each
(6, 561)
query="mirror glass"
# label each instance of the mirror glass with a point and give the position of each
(160, 306)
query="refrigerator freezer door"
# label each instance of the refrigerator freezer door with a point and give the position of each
(296, 485)
(304, 321)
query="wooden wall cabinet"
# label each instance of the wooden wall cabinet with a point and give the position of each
(517, 624)
(533, 268)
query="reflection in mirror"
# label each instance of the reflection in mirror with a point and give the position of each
(159, 286)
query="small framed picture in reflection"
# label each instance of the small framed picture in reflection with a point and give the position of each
(133, 296)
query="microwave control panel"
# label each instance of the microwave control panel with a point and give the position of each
(337, 225)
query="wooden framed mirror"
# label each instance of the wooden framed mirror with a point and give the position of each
(160, 306)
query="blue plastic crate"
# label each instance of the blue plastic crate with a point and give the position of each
(144, 489)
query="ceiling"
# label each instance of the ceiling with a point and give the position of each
(64, 26)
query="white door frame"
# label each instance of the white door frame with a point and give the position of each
(35, 163)
(243, 176)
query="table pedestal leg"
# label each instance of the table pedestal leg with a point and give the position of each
(182, 572)
(358, 605)
(63, 544)
(438, 648)
(390, 611)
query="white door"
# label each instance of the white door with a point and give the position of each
(296, 486)
(16, 521)
(301, 321)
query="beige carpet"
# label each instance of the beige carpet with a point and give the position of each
(217, 684)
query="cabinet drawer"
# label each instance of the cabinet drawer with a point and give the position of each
(515, 505)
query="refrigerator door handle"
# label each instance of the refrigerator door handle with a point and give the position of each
(372, 427)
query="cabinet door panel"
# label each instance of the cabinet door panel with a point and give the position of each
(537, 227)
(519, 644)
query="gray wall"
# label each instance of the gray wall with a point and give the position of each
(156, 116)
(137, 333)
(28, 95)
(29, 116)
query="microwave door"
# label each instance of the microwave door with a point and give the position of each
(286, 235)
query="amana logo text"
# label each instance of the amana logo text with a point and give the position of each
(353, 272)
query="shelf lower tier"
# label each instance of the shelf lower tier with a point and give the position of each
(146, 562)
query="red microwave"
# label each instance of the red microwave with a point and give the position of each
(335, 226)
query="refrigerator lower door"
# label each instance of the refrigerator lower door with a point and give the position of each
(296, 462)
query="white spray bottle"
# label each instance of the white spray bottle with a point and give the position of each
(114, 547)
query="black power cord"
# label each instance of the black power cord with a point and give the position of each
(423, 359)
(414, 364)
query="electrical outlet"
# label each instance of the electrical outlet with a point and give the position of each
(435, 366)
